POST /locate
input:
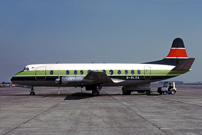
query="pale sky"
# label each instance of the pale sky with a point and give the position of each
(110, 31)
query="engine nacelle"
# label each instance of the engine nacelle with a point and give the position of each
(71, 79)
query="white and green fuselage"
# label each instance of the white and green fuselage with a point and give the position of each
(120, 74)
(133, 77)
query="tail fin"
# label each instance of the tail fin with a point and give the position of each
(176, 55)
(177, 50)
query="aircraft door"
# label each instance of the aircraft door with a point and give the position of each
(40, 73)
(147, 72)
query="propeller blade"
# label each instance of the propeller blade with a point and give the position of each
(58, 82)
(58, 90)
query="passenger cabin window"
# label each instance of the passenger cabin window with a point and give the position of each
(88, 71)
(51, 72)
(119, 72)
(104, 71)
(126, 72)
(132, 72)
(67, 72)
(81, 72)
(138, 71)
(111, 72)
(75, 72)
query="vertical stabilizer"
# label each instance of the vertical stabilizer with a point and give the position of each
(176, 55)
(177, 50)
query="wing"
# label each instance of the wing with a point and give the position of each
(96, 77)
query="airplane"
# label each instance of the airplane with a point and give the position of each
(132, 77)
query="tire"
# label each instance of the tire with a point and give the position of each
(32, 93)
(148, 92)
(124, 92)
(173, 92)
(128, 92)
(164, 93)
(95, 93)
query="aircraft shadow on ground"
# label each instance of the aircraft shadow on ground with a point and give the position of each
(79, 95)
(68, 96)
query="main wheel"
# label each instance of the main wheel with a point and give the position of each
(95, 93)
(160, 92)
(124, 92)
(148, 92)
(128, 92)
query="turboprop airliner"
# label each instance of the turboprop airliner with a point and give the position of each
(133, 77)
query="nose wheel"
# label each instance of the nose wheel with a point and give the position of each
(32, 91)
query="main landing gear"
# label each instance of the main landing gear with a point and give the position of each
(95, 93)
(96, 90)
(125, 92)
(148, 92)
(32, 91)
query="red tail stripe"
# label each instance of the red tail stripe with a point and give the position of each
(177, 52)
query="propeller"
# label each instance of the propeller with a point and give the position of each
(58, 82)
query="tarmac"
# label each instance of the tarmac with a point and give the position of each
(76, 112)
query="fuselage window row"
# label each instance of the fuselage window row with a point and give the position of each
(111, 72)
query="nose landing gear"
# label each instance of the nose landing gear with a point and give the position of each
(32, 91)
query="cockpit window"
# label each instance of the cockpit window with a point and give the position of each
(26, 69)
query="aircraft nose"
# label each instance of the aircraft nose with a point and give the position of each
(12, 79)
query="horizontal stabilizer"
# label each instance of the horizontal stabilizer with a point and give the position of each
(185, 65)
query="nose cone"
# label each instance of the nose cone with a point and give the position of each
(13, 79)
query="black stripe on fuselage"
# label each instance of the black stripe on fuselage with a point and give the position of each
(52, 78)
(33, 78)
